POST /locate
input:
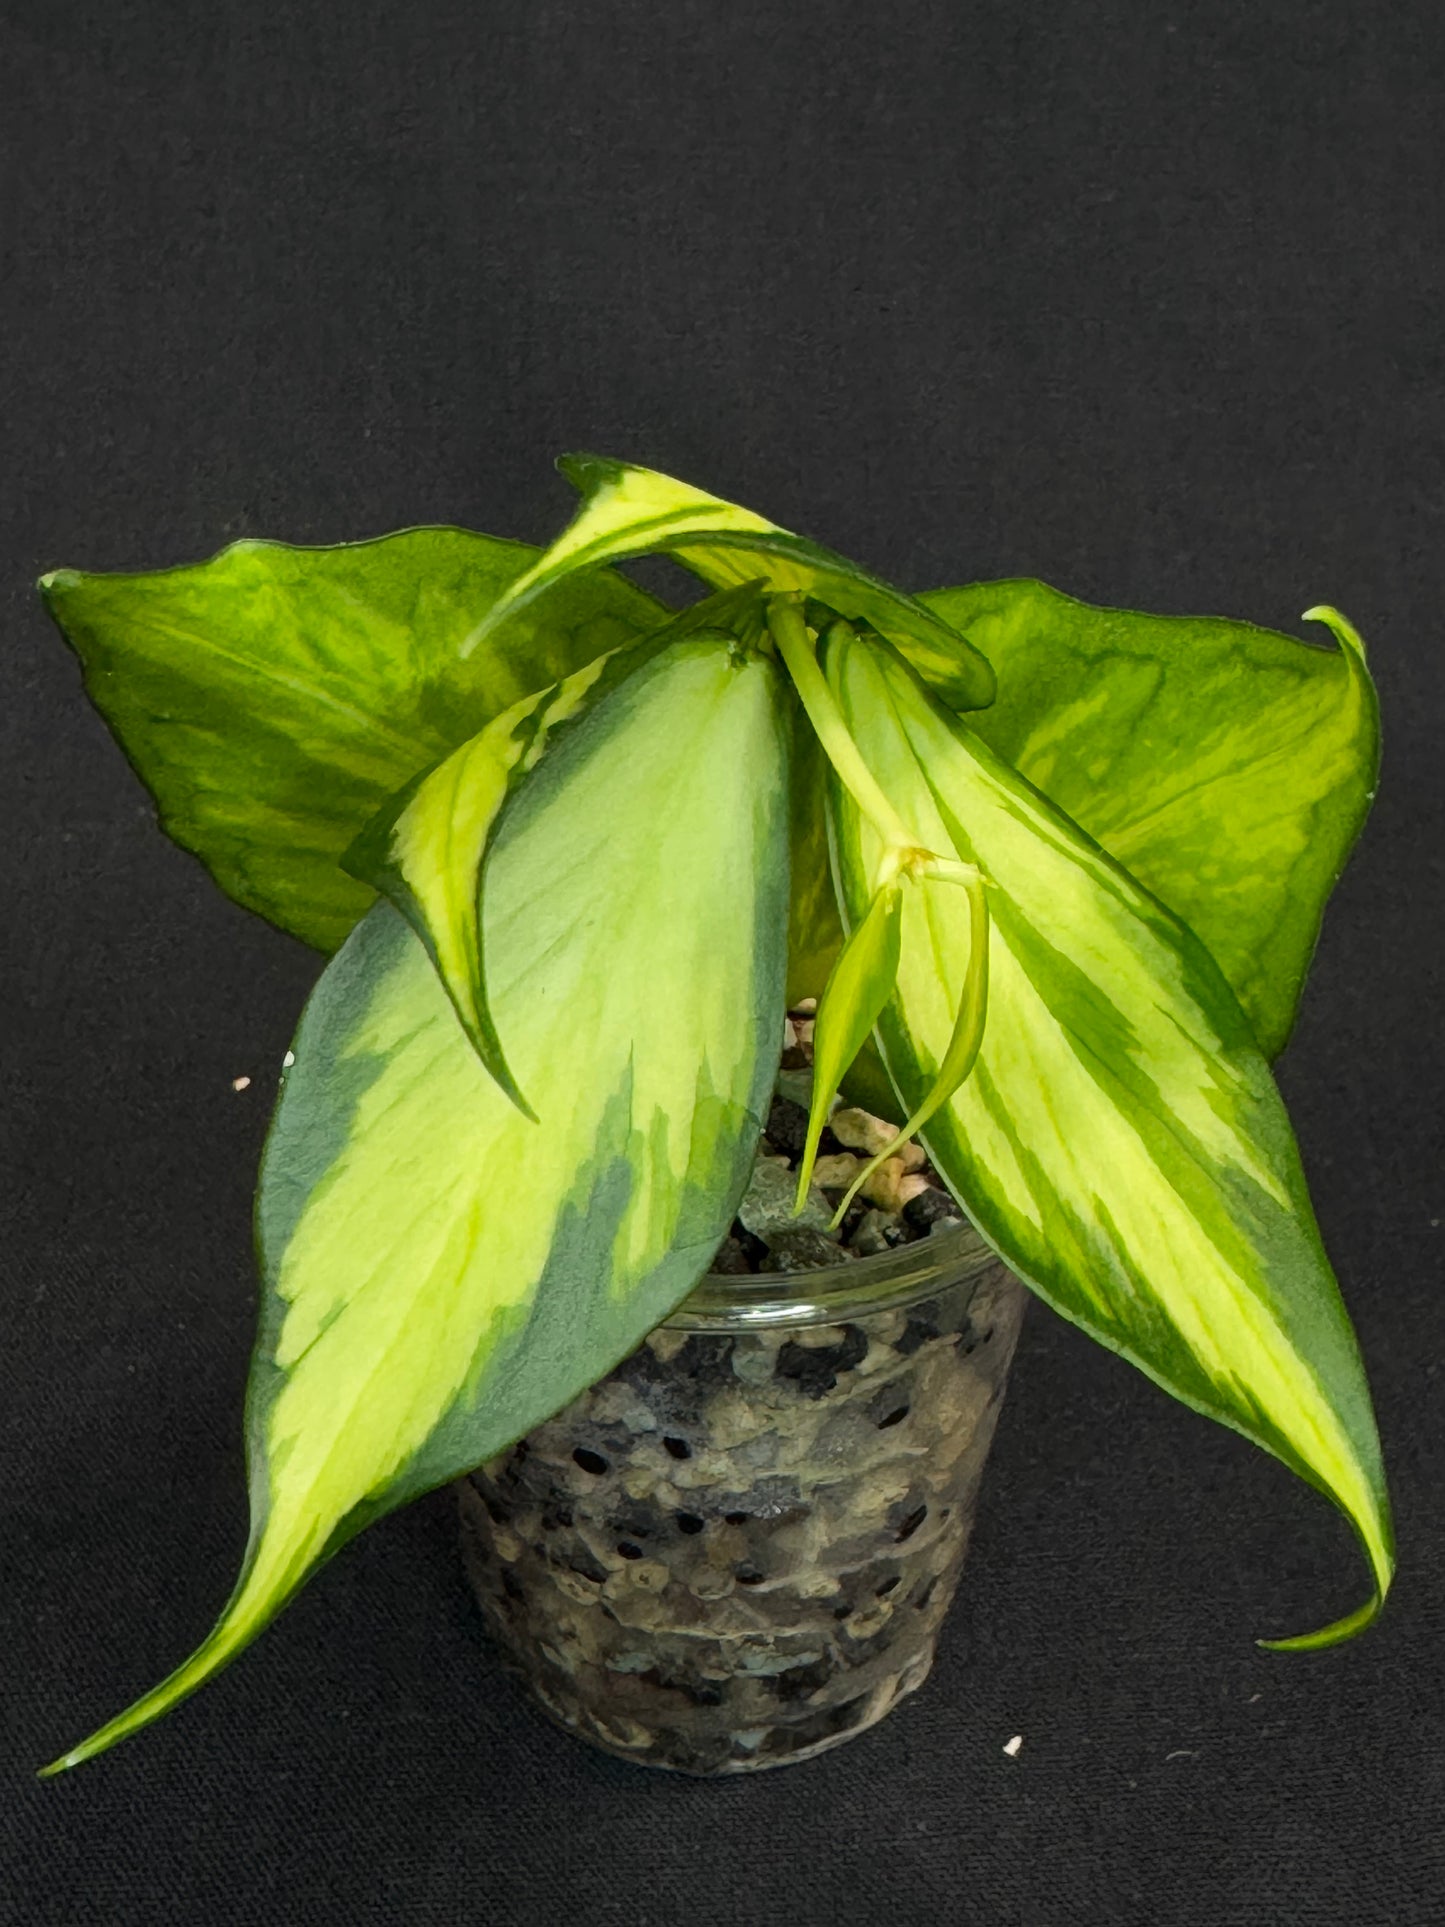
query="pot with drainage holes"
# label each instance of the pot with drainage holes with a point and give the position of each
(737, 1549)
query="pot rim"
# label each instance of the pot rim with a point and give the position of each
(726, 1302)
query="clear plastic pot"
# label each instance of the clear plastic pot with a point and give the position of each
(736, 1549)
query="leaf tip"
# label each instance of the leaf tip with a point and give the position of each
(1335, 1634)
(588, 472)
(1344, 631)
(57, 581)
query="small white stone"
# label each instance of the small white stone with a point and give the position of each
(1011, 1747)
(240, 1083)
(288, 1060)
(665, 1342)
(836, 1173)
(860, 1130)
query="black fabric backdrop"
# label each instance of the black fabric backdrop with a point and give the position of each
(1143, 301)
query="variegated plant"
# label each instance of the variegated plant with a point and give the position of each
(1055, 871)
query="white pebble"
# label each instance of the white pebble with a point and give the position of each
(891, 1186)
(240, 1083)
(837, 1172)
(288, 1060)
(1011, 1747)
(860, 1130)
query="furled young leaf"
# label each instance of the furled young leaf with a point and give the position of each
(1229, 768)
(273, 698)
(441, 1274)
(425, 850)
(635, 511)
(857, 989)
(1120, 1140)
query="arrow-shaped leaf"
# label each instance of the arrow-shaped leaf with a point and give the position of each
(629, 511)
(1229, 768)
(273, 698)
(441, 1274)
(1120, 1140)
(425, 850)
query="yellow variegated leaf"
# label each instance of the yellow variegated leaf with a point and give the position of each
(425, 850)
(1120, 1140)
(630, 511)
(440, 1273)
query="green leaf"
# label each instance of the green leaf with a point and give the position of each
(426, 849)
(961, 1052)
(630, 511)
(1120, 1140)
(857, 989)
(441, 1274)
(815, 931)
(273, 698)
(1229, 768)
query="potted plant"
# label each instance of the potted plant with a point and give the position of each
(1039, 884)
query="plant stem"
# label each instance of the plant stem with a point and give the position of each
(790, 632)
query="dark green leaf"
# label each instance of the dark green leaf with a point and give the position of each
(273, 698)
(1228, 767)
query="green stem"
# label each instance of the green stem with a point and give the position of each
(790, 632)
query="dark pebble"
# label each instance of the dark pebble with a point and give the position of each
(677, 1448)
(592, 1462)
(855, 1214)
(815, 1368)
(929, 1208)
(803, 1248)
(689, 1522)
(704, 1359)
(627, 1550)
(795, 1058)
(739, 1239)
(922, 1325)
(788, 1126)
(731, 1259)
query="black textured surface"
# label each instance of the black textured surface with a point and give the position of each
(1144, 301)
